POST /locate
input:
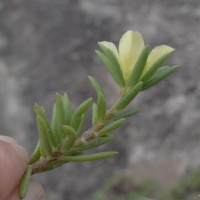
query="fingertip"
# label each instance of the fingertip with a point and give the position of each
(20, 148)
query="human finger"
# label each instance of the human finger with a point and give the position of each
(13, 162)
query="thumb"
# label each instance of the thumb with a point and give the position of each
(13, 162)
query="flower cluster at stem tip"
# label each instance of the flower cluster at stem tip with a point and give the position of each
(132, 52)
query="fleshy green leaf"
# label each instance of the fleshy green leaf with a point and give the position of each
(67, 108)
(132, 93)
(95, 84)
(127, 113)
(154, 67)
(96, 142)
(90, 157)
(60, 116)
(94, 114)
(69, 139)
(54, 125)
(110, 67)
(111, 56)
(161, 74)
(23, 188)
(111, 127)
(40, 111)
(138, 68)
(81, 125)
(52, 166)
(81, 109)
(36, 154)
(55, 164)
(101, 108)
(45, 143)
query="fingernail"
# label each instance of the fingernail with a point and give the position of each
(7, 139)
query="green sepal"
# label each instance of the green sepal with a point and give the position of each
(154, 67)
(94, 114)
(115, 63)
(95, 84)
(81, 125)
(101, 108)
(23, 188)
(40, 111)
(127, 98)
(111, 127)
(111, 68)
(60, 117)
(67, 108)
(90, 157)
(138, 68)
(127, 113)
(161, 74)
(45, 143)
(70, 138)
(36, 154)
(81, 109)
(76, 120)
(96, 142)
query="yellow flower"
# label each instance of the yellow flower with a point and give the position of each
(130, 47)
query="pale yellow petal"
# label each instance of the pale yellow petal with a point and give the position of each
(155, 54)
(130, 46)
(110, 46)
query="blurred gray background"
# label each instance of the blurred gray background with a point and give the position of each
(48, 46)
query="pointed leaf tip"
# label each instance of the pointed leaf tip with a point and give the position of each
(112, 65)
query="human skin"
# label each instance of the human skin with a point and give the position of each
(13, 163)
